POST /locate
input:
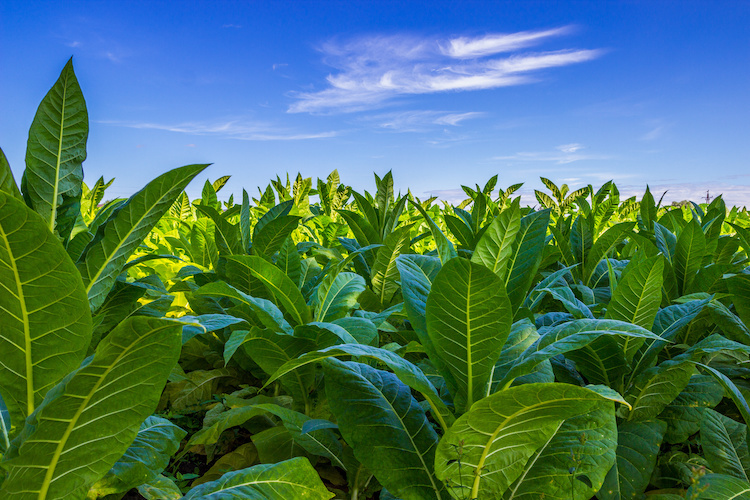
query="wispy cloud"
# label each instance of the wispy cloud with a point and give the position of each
(376, 69)
(235, 26)
(657, 128)
(421, 120)
(234, 129)
(566, 153)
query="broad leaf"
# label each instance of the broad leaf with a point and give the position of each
(384, 273)
(637, 296)
(337, 297)
(689, 252)
(494, 247)
(526, 256)
(93, 415)
(468, 321)
(638, 445)
(7, 182)
(55, 152)
(386, 427)
(719, 487)
(44, 313)
(572, 465)
(281, 287)
(157, 440)
(724, 443)
(473, 456)
(293, 478)
(655, 388)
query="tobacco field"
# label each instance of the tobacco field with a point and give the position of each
(313, 342)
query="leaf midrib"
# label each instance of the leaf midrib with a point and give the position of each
(56, 187)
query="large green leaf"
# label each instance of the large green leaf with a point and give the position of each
(335, 298)
(468, 321)
(384, 273)
(116, 240)
(724, 443)
(638, 295)
(487, 448)
(684, 415)
(407, 372)
(294, 478)
(386, 428)
(568, 337)
(689, 252)
(445, 247)
(603, 245)
(55, 153)
(719, 487)
(268, 240)
(572, 465)
(637, 448)
(279, 284)
(7, 182)
(157, 440)
(739, 287)
(526, 256)
(494, 247)
(44, 314)
(271, 350)
(87, 422)
(655, 388)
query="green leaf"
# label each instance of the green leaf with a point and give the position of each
(321, 442)
(160, 488)
(572, 465)
(44, 313)
(278, 283)
(407, 372)
(719, 487)
(473, 457)
(637, 448)
(655, 388)
(336, 298)
(522, 335)
(7, 182)
(603, 245)
(739, 287)
(386, 427)
(289, 260)
(638, 295)
(269, 239)
(384, 273)
(689, 253)
(724, 443)
(93, 415)
(157, 440)
(684, 415)
(494, 247)
(294, 478)
(468, 321)
(445, 248)
(106, 255)
(271, 351)
(568, 337)
(55, 153)
(266, 311)
(526, 256)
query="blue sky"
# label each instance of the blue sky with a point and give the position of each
(442, 93)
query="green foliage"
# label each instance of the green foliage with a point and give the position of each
(320, 342)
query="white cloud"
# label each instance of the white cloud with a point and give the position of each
(569, 148)
(421, 121)
(373, 70)
(566, 153)
(464, 47)
(234, 129)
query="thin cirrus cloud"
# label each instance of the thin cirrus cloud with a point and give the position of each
(373, 70)
(233, 129)
(565, 153)
(421, 121)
